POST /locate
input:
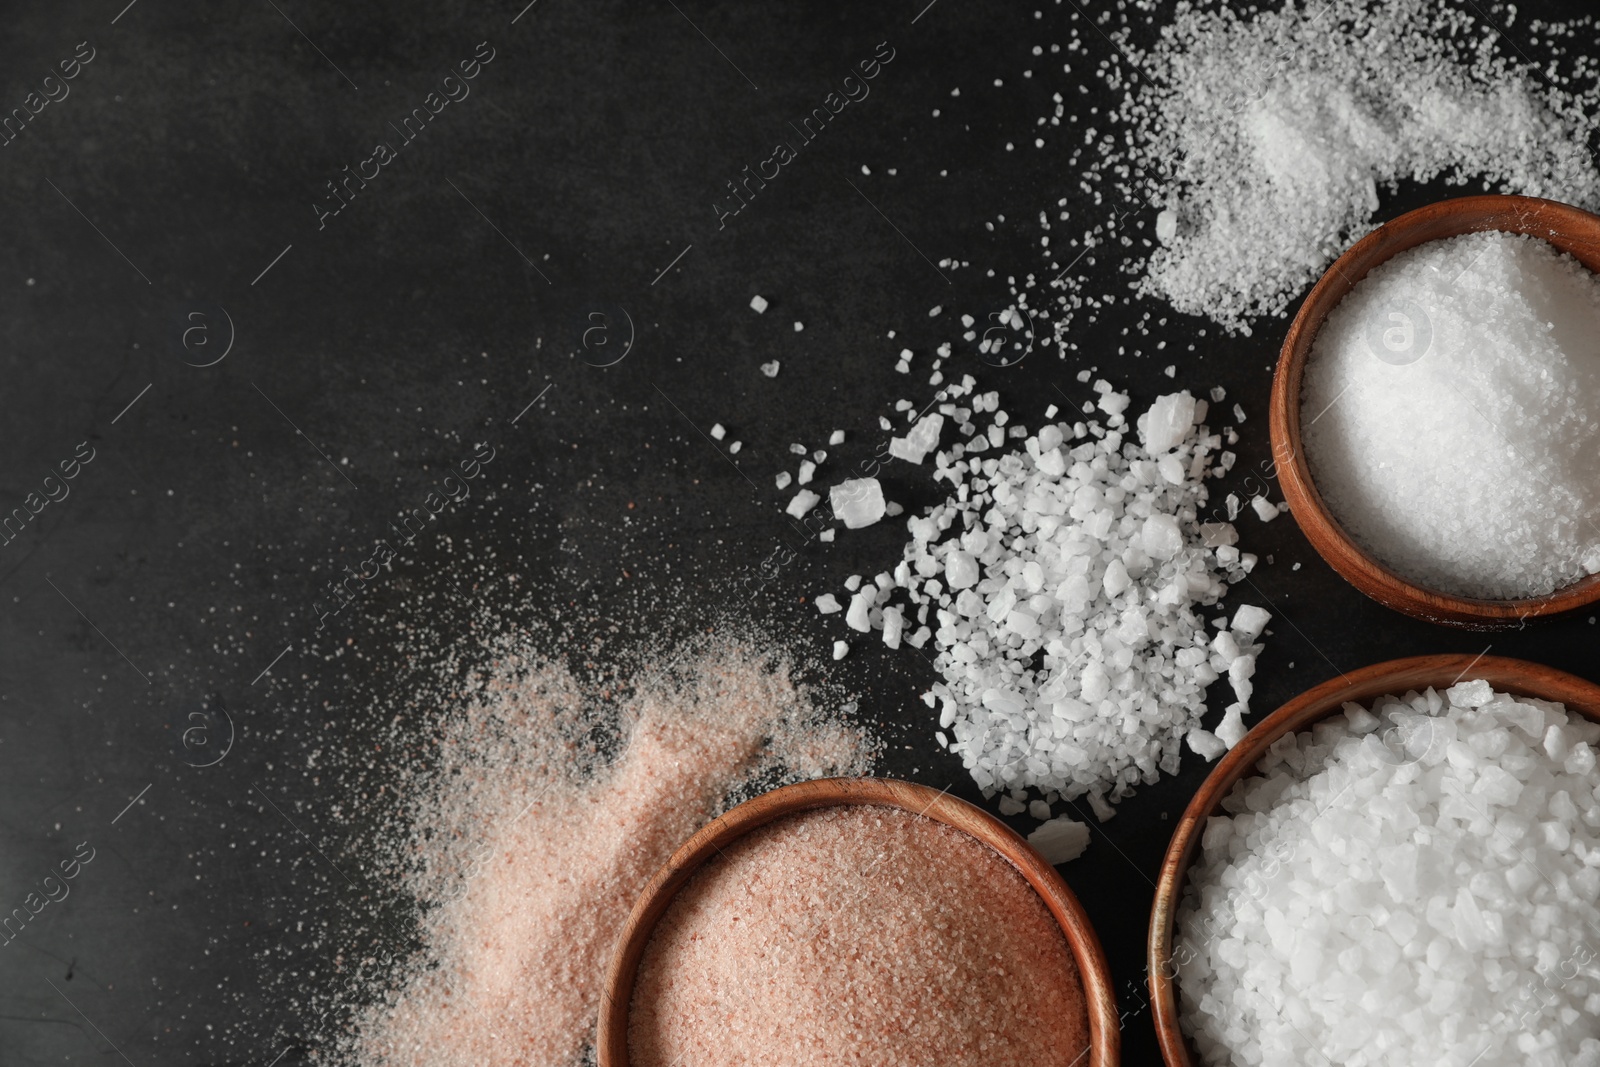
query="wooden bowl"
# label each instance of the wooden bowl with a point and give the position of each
(1571, 230)
(1104, 1030)
(1392, 678)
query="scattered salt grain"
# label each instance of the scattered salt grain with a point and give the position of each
(1066, 580)
(1265, 509)
(803, 502)
(857, 502)
(1060, 840)
(718, 432)
(1264, 135)
(759, 303)
(770, 369)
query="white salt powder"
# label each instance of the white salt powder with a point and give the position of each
(1414, 883)
(1451, 415)
(1254, 144)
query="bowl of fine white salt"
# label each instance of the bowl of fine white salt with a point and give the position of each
(1435, 412)
(1400, 865)
(860, 920)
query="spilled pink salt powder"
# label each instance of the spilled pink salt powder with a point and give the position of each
(531, 846)
(858, 935)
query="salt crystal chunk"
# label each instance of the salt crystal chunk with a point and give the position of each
(759, 303)
(1167, 423)
(836, 438)
(770, 368)
(803, 502)
(893, 626)
(1265, 510)
(1205, 744)
(859, 614)
(1166, 226)
(922, 439)
(1161, 536)
(827, 603)
(840, 649)
(782, 479)
(1231, 730)
(1249, 620)
(857, 502)
(1060, 840)
(1556, 743)
(808, 470)
(960, 570)
(718, 432)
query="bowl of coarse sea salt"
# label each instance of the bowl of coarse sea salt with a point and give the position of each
(1435, 414)
(1399, 866)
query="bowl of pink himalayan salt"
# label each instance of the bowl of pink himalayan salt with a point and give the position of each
(858, 920)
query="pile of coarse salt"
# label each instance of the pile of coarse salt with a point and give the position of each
(1262, 138)
(1412, 884)
(529, 844)
(858, 935)
(1451, 415)
(1062, 585)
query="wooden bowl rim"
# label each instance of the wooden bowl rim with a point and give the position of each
(1446, 218)
(1392, 677)
(1093, 970)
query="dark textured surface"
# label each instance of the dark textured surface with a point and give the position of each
(189, 154)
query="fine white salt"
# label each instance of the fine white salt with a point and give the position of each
(1451, 415)
(1256, 141)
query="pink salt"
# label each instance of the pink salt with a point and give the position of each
(858, 935)
(531, 847)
